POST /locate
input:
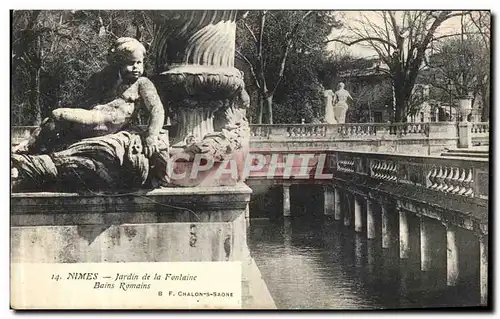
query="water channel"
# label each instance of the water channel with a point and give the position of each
(310, 261)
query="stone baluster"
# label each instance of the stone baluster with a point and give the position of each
(384, 170)
(393, 172)
(301, 131)
(468, 184)
(431, 178)
(440, 179)
(447, 180)
(451, 180)
(455, 181)
(346, 165)
(460, 182)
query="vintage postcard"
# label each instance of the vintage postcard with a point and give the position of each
(250, 159)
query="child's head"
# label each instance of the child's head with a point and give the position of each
(128, 55)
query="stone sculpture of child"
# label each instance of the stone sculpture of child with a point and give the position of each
(115, 96)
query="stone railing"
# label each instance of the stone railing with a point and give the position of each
(405, 138)
(420, 138)
(338, 131)
(460, 177)
(480, 132)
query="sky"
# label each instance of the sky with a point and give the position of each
(352, 19)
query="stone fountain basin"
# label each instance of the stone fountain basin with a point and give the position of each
(200, 82)
(199, 172)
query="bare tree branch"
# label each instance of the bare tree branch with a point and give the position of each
(251, 33)
(242, 57)
(288, 43)
(453, 35)
(365, 39)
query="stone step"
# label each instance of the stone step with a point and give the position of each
(469, 151)
(469, 155)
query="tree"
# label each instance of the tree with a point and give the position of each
(464, 62)
(401, 40)
(266, 40)
(461, 62)
(417, 99)
(28, 52)
(481, 20)
(54, 52)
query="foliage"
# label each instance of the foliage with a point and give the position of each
(460, 62)
(401, 40)
(55, 52)
(281, 50)
(460, 66)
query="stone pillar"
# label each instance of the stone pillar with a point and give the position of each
(386, 231)
(404, 235)
(370, 220)
(247, 211)
(358, 218)
(338, 211)
(425, 245)
(452, 271)
(347, 211)
(464, 135)
(329, 200)
(483, 268)
(286, 200)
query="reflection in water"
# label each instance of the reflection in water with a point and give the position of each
(360, 249)
(370, 255)
(315, 264)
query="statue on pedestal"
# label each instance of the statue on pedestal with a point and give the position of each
(329, 114)
(97, 146)
(340, 103)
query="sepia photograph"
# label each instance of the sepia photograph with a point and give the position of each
(250, 159)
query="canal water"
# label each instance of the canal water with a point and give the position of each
(313, 262)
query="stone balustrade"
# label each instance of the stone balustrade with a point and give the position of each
(338, 131)
(480, 132)
(407, 138)
(461, 177)
(399, 197)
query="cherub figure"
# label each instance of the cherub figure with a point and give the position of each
(115, 95)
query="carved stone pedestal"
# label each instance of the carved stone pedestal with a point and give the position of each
(163, 225)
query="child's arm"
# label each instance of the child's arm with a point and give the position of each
(153, 104)
(81, 116)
